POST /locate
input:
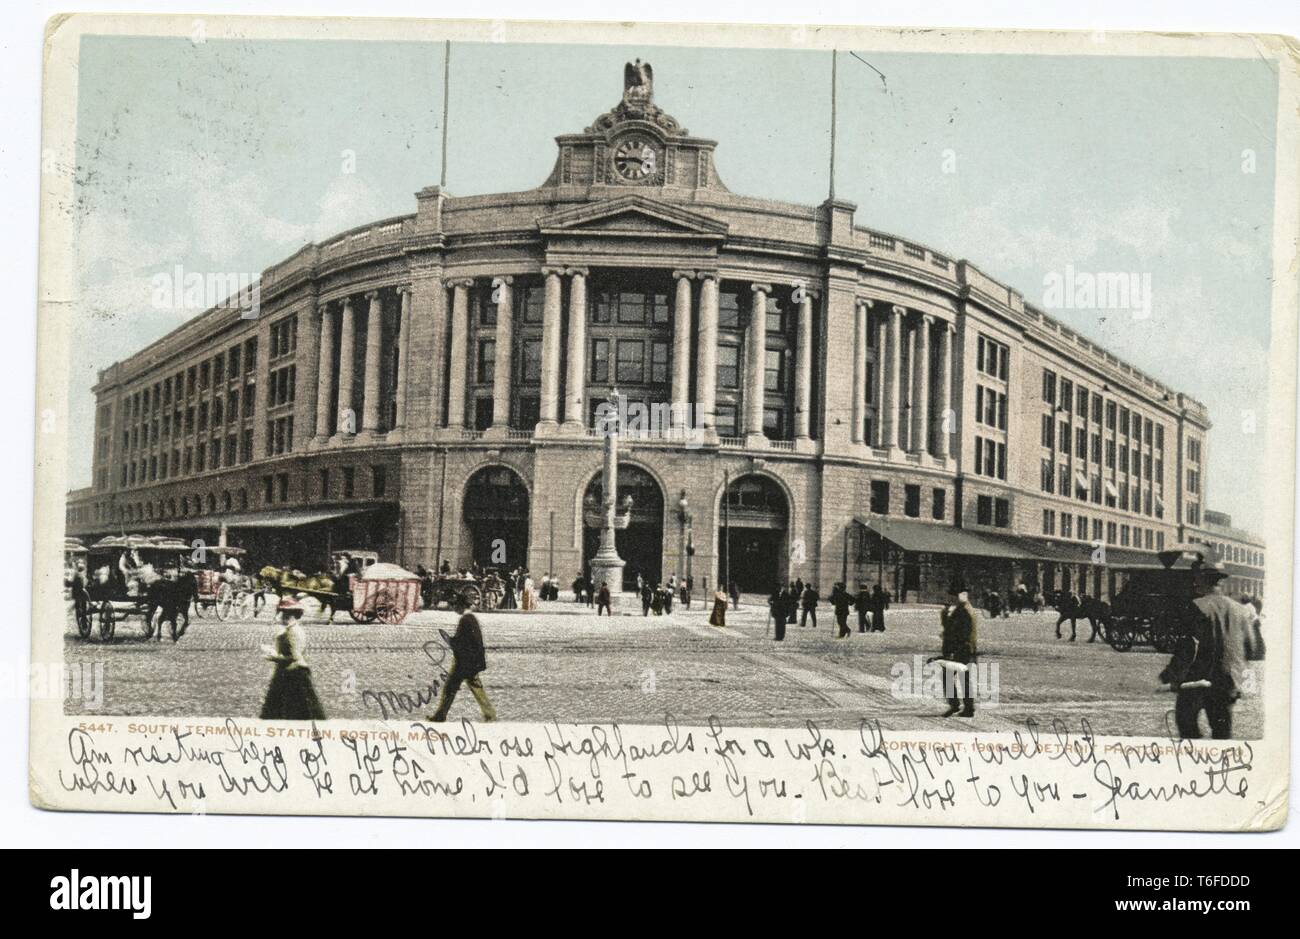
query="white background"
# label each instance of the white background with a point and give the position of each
(20, 75)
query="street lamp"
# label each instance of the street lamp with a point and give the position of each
(683, 517)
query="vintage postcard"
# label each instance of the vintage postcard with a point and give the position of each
(780, 424)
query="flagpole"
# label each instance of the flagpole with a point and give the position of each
(834, 60)
(446, 106)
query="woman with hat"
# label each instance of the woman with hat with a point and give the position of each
(290, 695)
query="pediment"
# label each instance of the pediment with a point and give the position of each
(633, 216)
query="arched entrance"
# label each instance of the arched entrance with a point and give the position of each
(752, 526)
(496, 516)
(641, 544)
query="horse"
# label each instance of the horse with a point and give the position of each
(170, 598)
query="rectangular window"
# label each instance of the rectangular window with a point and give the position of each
(659, 363)
(939, 504)
(1047, 478)
(324, 484)
(912, 501)
(532, 364)
(725, 420)
(984, 510)
(378, 480)
(728, 310)
(728, 366)
(1001, 513)
(1049, 386)
(600, 360)
(485, 367)
(774, 423)
(532, 303)
(349, 482)
(1048, 437)
(1049, 522)
(774, 371)
(630, 366)
(879, 497)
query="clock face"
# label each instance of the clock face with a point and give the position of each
(636, 159)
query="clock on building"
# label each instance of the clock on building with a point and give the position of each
(636, 159)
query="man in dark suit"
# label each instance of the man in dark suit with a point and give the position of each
(808, 604)
(1212, 659)
(469, 660)
(960, 624)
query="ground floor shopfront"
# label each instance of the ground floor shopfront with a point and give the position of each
(713, 514)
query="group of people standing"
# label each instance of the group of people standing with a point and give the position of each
(798, 600)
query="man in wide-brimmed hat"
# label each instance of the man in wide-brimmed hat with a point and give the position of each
(1208, 666)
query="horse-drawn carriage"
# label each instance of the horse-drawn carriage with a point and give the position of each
(133, 575)
(465, 591)
(367, 589)
(1154, 607)
(225, 591)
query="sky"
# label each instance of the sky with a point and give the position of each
(226, 156)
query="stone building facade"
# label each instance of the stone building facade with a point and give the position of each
(841, 402)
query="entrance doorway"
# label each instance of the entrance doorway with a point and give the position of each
(753, 527)
(641, 544)
(496, 516)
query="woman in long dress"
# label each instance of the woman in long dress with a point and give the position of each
(290, 695)
(719, 615)
(529, 594)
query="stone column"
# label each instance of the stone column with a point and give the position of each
(374, 336)
(706, 355)
(505, 339)
(921, 388)
(942, 442)
(893, 368)
(881, 338)
(755, 360)
(403, 350)
(681, 349)
(803, 366)
(907, 385)
(575, 378)
(325, 373)
(859, 413)
(551, 329)
(347, 418)
(457, 368)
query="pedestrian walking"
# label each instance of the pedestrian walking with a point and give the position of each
(1208, 667)
(840, 602)
(808, 603)
(735, 596)
(290, 695)
(879, 603)
(603, 600)
(959, 623)
(776, 613)
(469, 660)
(862, 603)
(647, 598)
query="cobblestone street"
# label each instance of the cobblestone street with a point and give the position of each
(572, 667)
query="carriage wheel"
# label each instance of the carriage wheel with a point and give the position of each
(85, 620)
(1120, 638)
(388, 610)
(492, 597)
(471, 597)
(107, 624)
(225, 600)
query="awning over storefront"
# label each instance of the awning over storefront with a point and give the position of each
(290, 519)
(1059, 551)
(933, 538)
